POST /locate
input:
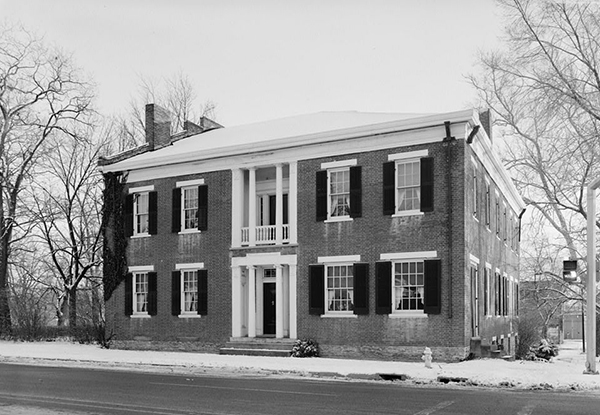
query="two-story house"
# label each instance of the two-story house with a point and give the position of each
(374, 234)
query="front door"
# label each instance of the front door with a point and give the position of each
(269, 308)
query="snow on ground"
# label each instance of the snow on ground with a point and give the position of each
(565, 372)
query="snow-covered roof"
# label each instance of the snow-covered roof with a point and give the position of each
(254, 136)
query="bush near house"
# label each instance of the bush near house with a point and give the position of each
(305, 348)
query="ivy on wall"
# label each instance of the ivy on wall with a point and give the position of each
(113, 229)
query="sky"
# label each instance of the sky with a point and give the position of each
(267, 59)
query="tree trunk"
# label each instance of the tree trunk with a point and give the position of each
(5, 319)
(72, 294)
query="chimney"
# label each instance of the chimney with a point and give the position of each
(487, 120)
(158, 126)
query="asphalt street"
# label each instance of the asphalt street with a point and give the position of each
(53, 391)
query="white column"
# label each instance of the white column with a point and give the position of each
(237, 203)
(590, 328)
(278, 301)
(293, 305)
(260, 301)
(278, 204)
(292, 202)
(252, 207)
(236, 301)
(286, 301)
(251, 301)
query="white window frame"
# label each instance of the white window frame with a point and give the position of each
(135, 276)
(489, 284)
(476, 212)
(330, 216)
(136, 214)
(339, 313)
(407, 212)
(488, 205)
(395, 300)
(183, 227)
(191, 313)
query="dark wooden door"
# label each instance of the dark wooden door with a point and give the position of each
(269, 308)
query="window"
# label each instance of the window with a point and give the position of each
(141, 211)
(408, 286)
(140, 295)
(189, 290)
(141, 214)
(339, 193)
(487, 291)
(340, 288)
(140, 291)
(488, 204)
(409, 279)
(189, 205)
(497, 215)
(408, 184)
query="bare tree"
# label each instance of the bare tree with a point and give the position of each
(66, 208)
(41, 93)
(177, 94)
(544, 88)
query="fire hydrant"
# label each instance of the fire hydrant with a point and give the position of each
(427, 357)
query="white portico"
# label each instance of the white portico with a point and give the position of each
(264, 295)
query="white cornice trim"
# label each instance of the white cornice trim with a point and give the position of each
(141, 268)
(141, 189)
(191, 265)
(186, 183)
(408, 155)
(408, 255)
(338, 259)
(337, 164)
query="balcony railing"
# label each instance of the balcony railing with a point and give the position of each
(265, 235)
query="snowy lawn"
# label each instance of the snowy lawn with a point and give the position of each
(563, 372)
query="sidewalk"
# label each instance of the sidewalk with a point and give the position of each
(564, 373)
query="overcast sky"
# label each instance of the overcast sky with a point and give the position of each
(266, 59)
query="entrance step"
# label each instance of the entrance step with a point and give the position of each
(258, 347)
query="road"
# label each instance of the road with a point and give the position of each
(54, 391)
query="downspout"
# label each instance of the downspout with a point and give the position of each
(449, 142)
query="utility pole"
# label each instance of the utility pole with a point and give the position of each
(590, 335)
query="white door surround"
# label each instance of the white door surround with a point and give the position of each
(247, 284)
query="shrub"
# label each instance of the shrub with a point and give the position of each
(305, 348)
(528, 336)
(545, 350)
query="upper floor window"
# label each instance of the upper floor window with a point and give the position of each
(190, 206)
(475, 194)
(141, 211)
(408, 183)
(339, 191)
(488, 204)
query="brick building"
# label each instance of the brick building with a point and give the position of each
(374, 234)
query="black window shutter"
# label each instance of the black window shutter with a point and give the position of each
(433, 286)
(152, 294)
(321, 195)
(355, 192)
(202, 207)
(129, 294)
(176, 210)
(316, 289)
(389, 188)
(427, 184)
(152, 213)
(361, 288)
(176, 293)
(129, 215)
(383, 280)
(203, 292)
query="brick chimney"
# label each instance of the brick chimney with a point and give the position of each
(158, 126)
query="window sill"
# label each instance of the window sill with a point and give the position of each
(195, 315)
(140, 316)
(349, 315)
(339, 219)
(140, 235)
(408, 213)
(189, 232)
(409, 314)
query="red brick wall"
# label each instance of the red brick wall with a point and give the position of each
(166, 249)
